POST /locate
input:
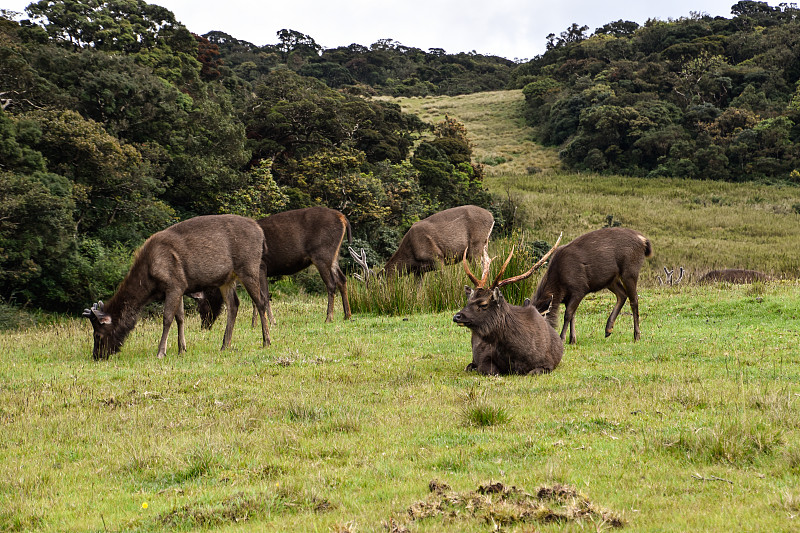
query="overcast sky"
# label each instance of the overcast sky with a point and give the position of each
(507, 28)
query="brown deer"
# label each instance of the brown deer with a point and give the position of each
(507, 339)
(205, 251)
(297, 239)
(442, 238)
(607, 258)
(734, 275)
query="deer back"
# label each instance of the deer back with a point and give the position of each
(443, 237)
(299, 237)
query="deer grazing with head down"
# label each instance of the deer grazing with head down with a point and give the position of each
(442, 238)
(205, 251)
(506, 338)
(607, 258)
(297, 239)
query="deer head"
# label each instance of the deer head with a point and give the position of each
(484, 302)
(105, 339)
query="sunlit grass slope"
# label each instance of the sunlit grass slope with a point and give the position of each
(700, 225)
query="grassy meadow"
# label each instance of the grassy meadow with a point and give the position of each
(346, 426)
(372, 424)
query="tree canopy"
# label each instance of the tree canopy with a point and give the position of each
(698, 97)
(117, 121)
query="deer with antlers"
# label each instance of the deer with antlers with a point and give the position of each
(506, 338)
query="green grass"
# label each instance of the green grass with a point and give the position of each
(343, 426)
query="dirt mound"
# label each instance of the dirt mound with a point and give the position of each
(499, 505)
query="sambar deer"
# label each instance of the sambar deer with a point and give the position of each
(733, 275)
(205, 251)
(442, 238)
(506, 338)
(607, 258)
(297, 239)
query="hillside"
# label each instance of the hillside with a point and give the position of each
(502, 141)
(699, 225)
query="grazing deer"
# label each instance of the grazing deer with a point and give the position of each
(734, 275)
(205, 251)
(507, 339)
(297, 239)
(442, 238)
(608, 258)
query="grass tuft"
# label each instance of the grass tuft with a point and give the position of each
(478, 412)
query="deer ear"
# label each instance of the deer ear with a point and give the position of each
(467, 290)
(497, 295)
(97, 315)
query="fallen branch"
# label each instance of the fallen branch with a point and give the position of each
(710, 478)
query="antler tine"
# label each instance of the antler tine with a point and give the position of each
(486, 261)
(503, 269)
(527, 274)
(470, 275)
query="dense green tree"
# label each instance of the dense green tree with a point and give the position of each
(113, 25)
(698, 97)
(113, 188)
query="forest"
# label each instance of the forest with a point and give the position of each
(117, 121)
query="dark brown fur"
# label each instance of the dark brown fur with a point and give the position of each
(734, 275)
(441, 239)
(508, 339)
(296, 239)
(205, 251)
(608, 258)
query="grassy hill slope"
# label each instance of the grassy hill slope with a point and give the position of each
(700, 225)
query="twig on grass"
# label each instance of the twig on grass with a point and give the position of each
(710, 478)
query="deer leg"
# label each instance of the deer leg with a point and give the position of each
(538, 371)
(266, 297)
(569, 318)
(179, 318)
(629, 284)
(232, 303)
(342, 283)
(171, 302)
(253, 284)
(331, 281)
(619, 291)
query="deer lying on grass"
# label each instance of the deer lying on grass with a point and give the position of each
(608, 258)
(734, 275)
(205, 251)
(442, 238)
(507, 339)
(297, 239)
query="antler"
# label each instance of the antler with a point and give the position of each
(501, 283)
(361, 260)
(486, 261)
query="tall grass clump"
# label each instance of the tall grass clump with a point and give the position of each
(443, 289)
(733, 442)
(478, 411)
